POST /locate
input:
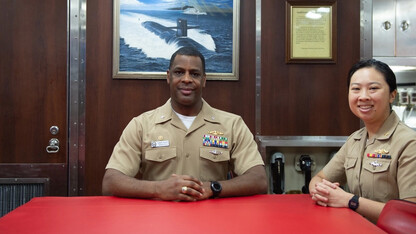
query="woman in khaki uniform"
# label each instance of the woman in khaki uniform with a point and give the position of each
(378, 162)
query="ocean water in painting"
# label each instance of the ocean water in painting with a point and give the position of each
(149, 37)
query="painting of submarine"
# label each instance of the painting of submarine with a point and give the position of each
(176, 35)
(148, 37)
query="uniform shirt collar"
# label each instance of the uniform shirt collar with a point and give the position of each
(166, 113)
(386, 130)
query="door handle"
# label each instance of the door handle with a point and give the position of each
(53, 146)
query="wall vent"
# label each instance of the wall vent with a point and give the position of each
(15, 192)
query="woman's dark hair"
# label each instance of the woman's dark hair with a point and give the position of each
(383, 68)
(189, 51)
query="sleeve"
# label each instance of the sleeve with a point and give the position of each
(244, 152)
(334, 170)
(406, 171)
(126, 156)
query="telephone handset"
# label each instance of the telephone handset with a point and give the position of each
(305, 163)
(277, 167)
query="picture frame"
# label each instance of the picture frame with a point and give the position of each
(147, 33)
(311, 35)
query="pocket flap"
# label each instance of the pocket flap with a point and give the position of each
(350, 162)
(160, 154)
(375, 166)
(214, 154)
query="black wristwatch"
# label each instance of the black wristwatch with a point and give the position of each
(216, 188)
(353, 203)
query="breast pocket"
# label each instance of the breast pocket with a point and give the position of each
(160, 154)
(376, 166)
(375, 178)
(214, 163)
(159, 163)
(349, 165)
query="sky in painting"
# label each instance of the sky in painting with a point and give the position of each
(165, 4)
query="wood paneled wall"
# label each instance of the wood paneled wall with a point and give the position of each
(308, 99)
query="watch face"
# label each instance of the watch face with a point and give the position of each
(216, 186)
(353, 203)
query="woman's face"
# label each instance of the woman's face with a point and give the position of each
(369, 96)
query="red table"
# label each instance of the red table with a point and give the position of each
(256, 214)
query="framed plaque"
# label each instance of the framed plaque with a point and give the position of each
(311, 31)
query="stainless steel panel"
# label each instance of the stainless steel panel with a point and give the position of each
(405, 37)
(258, 67)
(366, 29)
(76, 105)
(383, 37)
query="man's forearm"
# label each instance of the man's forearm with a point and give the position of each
(117, 184)
(254, 181)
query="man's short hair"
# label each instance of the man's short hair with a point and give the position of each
(188, 51)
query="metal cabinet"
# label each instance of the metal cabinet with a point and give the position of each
(394, 33)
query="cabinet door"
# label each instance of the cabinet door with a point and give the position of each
(33, 101)
(384, 28)
(405, 28)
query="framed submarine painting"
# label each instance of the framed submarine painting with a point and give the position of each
(147, 32)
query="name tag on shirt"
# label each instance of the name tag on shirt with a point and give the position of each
(156, 144)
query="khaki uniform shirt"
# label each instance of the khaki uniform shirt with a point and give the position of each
(156, 144)
(380, 169)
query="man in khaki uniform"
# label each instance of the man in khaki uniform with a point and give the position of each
(185, 149)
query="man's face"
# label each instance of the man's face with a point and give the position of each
(186, 80)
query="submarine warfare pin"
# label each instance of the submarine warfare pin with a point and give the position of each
(375, 164)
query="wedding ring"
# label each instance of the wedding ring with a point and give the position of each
(184, 189)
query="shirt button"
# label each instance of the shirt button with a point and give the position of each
(187, 155)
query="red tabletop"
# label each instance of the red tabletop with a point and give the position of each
(255, 214)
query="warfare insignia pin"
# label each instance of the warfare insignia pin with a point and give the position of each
(381, 151)
(375, 164)
(215, 152)
(216, 133)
